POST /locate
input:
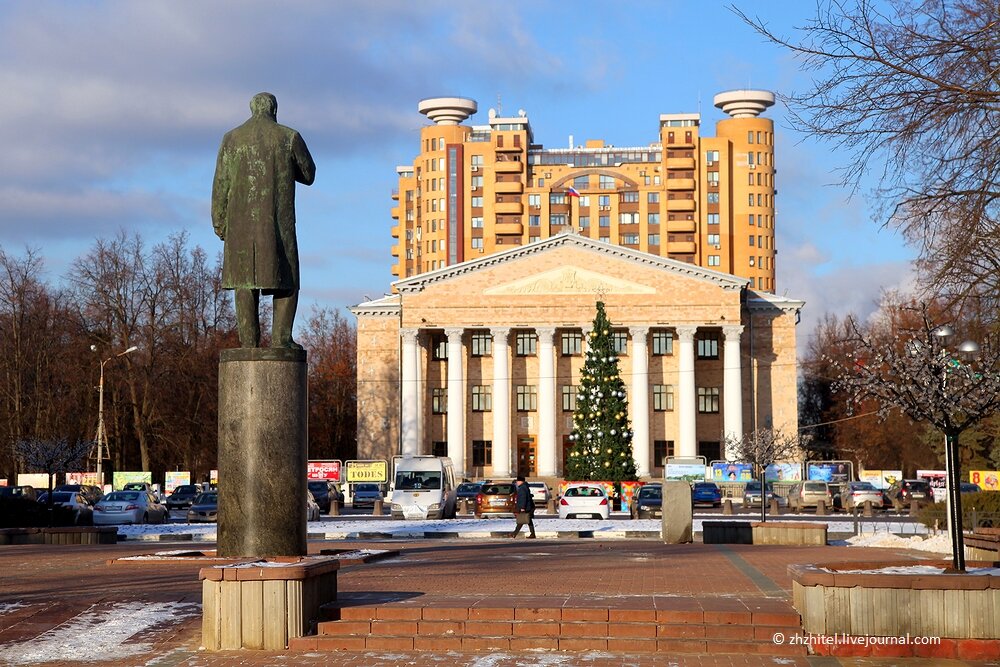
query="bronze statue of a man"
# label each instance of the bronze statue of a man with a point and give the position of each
(253, 211)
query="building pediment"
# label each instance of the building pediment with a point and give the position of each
(572, 240)
(569, 280)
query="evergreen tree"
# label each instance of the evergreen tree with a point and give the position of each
(602, 434)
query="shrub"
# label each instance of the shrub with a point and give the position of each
(983, 503)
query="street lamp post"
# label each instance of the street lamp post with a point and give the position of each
(952, 463)
(101, 435)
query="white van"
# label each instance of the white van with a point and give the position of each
(423, 487)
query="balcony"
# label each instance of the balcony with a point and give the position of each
(396, 231)
(508, 207)
(508, 228)
(395, 194)
(680, 204)
(681, 247)
(678, 226)
(680, 163)
(509, 187)
(394, 251)
(508, 149)
(680, 184)
(508, 167)
(394, 212)
(394, 270)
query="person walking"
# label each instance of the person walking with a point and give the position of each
(524, 510)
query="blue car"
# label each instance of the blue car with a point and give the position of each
(648, 502)
(706, 493)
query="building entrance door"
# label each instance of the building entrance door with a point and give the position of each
(526, 456)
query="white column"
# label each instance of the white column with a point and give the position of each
(732, 388)
(687, 441)
(456, 401)
(640, 400)
(418, 374)
(546, 445)
(408, 402)
(501, 402)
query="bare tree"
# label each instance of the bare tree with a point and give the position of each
(929, 382)
(763, 448)
(52, 457)
(908, 91)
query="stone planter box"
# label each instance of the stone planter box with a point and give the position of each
(789, 533)
(964, 609)
(984, 544)
(262, 604)
(62, 535)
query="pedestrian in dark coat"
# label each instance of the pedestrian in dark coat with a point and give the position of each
(524, 508)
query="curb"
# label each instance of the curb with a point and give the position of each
(437, 535)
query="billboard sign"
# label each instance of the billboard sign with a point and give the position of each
(367, 471)
(329, 470)
(829, 471)
(783, 472)
(171, 480)
(731, 472)
(689, 472)
(880, 479)
(938, 481)
(120, 479)
(987, 480)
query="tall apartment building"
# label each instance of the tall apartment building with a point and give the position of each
(479, 189)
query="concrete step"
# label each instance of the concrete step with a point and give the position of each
(724, 628)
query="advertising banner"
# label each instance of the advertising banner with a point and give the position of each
(880, 479)
(367, 471)
(937, 480)
(213, 477)
(829, 471)
(120, 479)
(89, 478)
(689, 472)
(38, 480)
(329, 470)
(629, 489)
(988, 480)
(171, 480)
(783, 472)
(731, 472)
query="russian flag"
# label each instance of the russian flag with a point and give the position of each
(572, 192)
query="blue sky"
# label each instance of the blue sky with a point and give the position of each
(113, 113)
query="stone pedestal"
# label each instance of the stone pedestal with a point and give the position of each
(678, 515)
(263, 445)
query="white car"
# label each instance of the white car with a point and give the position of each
(539, 493)
(582, 499)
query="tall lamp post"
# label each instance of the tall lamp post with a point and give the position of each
(968, 350)
(101, 435)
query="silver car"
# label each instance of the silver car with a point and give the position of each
(129, 507)
(857, 493)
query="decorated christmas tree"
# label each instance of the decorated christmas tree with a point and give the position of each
(602, 435)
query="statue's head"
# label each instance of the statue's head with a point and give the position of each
(264, 104)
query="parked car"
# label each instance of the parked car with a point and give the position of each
(312, 509)
(583, 499)
(141, 486)
(808, 494)
(93, 494)
(205, 508)
(18, 492)
(751, 495)
(905, 491)
(183, 496)
(648, 502)
(969, 487)
(706, 493)
(469, 490)
(324, 492)
(540, 493)
(129, 507)
(858, 493)
(366, 494)
(83, 511)
(496, 499)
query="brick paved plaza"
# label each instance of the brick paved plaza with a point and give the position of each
(50, 586)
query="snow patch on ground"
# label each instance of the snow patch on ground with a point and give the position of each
(940, 543)
(920, 569)
(7, 607)
(97, 634)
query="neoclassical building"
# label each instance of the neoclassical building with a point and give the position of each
(480, 360)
